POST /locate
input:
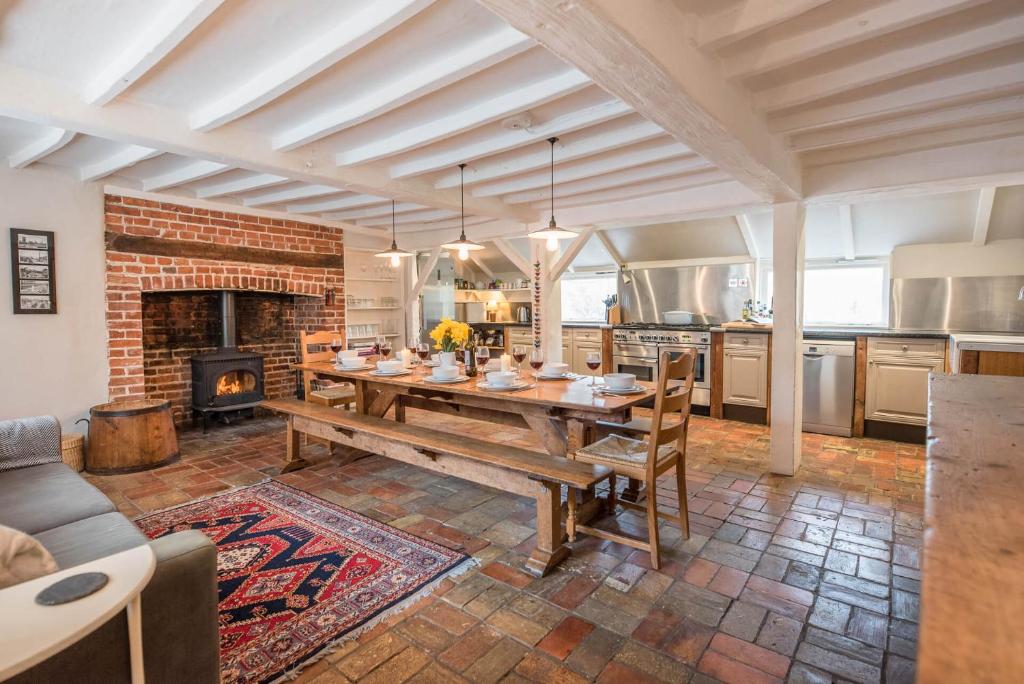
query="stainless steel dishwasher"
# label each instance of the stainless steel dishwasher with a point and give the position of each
(828, 387)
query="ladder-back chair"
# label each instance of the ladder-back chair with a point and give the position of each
(320, 391)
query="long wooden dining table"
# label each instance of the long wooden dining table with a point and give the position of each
(562, 413)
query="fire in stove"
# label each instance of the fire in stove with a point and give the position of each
(235, 382)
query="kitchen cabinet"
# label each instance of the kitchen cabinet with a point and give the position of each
(896, 387)
(579, 357)
(745, 380)
(576, 343)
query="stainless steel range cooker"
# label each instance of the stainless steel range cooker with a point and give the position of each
(637, 348)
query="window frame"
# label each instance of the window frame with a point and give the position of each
(765, 272)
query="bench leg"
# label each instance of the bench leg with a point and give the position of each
(292, 441)
(549, 551)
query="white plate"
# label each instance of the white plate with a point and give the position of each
(431, 364)
(352, 368)
(389, 375)
(503, 388)
(563, 376)
(438, 381)
(635, 389)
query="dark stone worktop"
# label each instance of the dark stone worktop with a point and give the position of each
(516, 324)
(845, 333)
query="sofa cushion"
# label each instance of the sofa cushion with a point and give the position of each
(46, 496)
(86, 540)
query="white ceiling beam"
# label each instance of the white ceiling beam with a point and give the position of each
(147, 47)
(425, 216)
(975, 85)
(882, 66)
(576, 147)
(654, 187)
(724, 197)
(517, 259)
(1002, 108)
(983, 216)
(347, 202)
(381, 210)
(846, 232)
(255, 181)
(320, 52)
(588, 168)
(31, 96)
(189, 172)
(763, 53)
(747, 233)
(494, 108)
(610, 248)
(481, 265)
(746, 18)
(572, 250)
(461, 62)
(290, 194)
(129, 156)
(44, 145)
(639, 52)
(444, 224)
(424, 275)
(507, 140)
(909, 142)
(946, 168)
(614, 179)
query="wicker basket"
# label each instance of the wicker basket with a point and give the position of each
(72, 450)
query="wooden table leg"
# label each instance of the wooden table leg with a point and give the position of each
(579, 434)
(134, 610)
(551, 433)
(632, 491)
(399, 409)
(293, 460)
(549, 550)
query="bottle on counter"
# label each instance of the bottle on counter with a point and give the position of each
(470, 366)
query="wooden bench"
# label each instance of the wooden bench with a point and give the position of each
(501, 466)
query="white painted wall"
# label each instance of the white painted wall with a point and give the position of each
(997, 258)
(54, 364)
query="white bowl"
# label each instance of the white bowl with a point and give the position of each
(349, 353)
(391, 366)
(500, 378)
(352, 362)
(554, 369)
(619, 381)
(445, 372)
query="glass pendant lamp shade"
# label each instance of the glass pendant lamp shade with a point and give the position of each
(552, 234)
(393, 253)
(463, 246)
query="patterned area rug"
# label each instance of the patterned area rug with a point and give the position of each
(297, 573)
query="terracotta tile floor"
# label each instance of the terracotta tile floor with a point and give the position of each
(807, 579)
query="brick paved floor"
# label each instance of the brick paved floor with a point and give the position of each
(806, 579)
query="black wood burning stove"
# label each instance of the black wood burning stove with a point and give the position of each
(226, 382)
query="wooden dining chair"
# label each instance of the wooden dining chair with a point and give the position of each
(320, 391)
(647, 459)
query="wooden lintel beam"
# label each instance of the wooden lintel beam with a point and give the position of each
(150, 246)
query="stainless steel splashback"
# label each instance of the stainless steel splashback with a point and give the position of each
(980, 304)
(703, 290)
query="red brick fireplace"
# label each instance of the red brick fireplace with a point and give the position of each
(167, 263)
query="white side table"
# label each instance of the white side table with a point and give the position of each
(33, 633)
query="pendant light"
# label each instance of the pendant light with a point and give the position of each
(394, 253)
(552, 233)
(463, 245)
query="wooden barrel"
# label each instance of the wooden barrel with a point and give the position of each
(128, 436)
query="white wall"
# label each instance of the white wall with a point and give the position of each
(54, 364)
(997, 258)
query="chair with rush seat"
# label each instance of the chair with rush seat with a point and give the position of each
(647, 459)
(319, 391)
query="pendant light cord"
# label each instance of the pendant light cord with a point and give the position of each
(394, 242)
(462, 197)
(552, 141)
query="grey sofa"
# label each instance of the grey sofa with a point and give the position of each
(43, 497)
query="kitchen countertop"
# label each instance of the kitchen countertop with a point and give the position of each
(517, 324)
(845, 333)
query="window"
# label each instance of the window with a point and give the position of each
(842, 293)
(583, 297)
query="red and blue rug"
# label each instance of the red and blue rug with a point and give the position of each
(297, 573)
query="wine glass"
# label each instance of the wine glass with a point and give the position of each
(337, 344)
(536, 360)
(423, 351)
(384, 346)
(411, 346)
(518, 355)
(593, 363)
(483, 357)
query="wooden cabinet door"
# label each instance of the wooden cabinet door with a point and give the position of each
(897, 389)
(579, 358)
(745, 378)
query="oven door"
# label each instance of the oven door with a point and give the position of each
(701, 371)
(643, 368)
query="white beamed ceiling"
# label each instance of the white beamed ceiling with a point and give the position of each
(332, 108)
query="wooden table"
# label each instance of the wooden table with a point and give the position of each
(972, 592)
(33, 633)
(561, 412)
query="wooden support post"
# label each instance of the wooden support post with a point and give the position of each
(787, 337)
(549, 551)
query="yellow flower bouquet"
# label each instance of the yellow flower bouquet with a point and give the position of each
(449, 335)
